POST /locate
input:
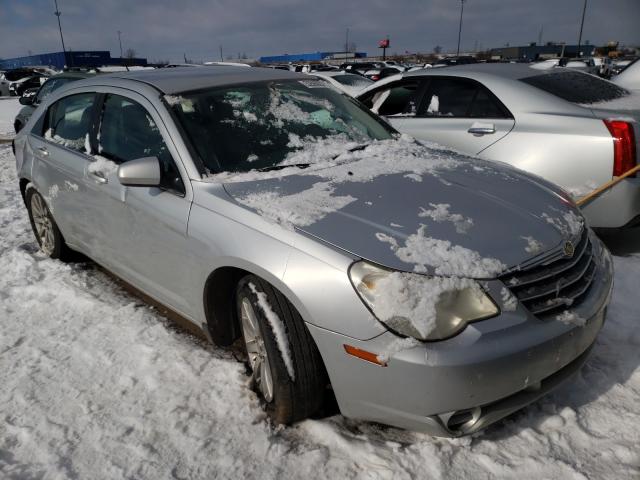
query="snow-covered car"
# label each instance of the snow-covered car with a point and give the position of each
(347, 82)
(380, 73)
(529, 118)
(430, 291)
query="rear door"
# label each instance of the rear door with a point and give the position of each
(60, 144)
(460, 113)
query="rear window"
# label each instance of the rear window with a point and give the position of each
(576, 87)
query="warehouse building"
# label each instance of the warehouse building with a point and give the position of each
(534, 52)
(312, 57)
(59, 60)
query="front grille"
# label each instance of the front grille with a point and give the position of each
(556, 285)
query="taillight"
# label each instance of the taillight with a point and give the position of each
(624, 146)
(375, 78)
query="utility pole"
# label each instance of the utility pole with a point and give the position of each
(120, 42)
(346, 45)
(57, 13)
(460, 27)
(540, 34)
(221, 59)
(584, 9)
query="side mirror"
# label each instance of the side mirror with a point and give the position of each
(26, 100)
(141, 172)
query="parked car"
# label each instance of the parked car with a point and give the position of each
(530, 119)
(267, 209)
(380, 73)
(31, 101)
(619, 64)
(18, 87)
(360, 67)
(451, 61)
(347, 82)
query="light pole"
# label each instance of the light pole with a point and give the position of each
(57, 13)
(584, 9)
(460, 27)
(346, 45)
(120, 42)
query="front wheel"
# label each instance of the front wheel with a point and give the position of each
(286, 367)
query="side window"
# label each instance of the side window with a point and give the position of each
(460, 98)
(127, 132)
(448, 97)
(395, 99)
(68, 121)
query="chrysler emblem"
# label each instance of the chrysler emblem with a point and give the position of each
(568, 249)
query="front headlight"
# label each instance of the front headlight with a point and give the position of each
(420, 306)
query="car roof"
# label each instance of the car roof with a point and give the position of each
(184, 79)
(513, 71)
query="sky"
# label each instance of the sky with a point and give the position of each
(168, 29)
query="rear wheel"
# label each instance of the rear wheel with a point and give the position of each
(286, 367)
(44, 226)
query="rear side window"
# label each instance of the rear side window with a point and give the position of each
(127, 132)
(460, 98)
(576, 87)
(69, 121)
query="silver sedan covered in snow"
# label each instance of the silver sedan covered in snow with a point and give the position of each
(571, 128)
(430, 291)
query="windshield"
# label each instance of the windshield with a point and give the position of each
(576, 87)
(257, 125)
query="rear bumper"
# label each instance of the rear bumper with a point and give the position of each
(615, 208)
(493, 368)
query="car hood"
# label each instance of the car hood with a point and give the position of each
(448, 221)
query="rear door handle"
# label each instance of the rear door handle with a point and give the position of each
(98, 178)
(43, 151)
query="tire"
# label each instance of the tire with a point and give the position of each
(17, 126)
(44, 227)
(290, 399)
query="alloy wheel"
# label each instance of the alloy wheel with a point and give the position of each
(43, 224)
(258, 358)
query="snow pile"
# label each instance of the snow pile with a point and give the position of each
(278, 329)
(442, 256)
(75, 144)
(571, 318)
(95, 384)
(102, 165)
(533, 245)
(402, 297)
(440, 213)
(509, 300)
(396, 346)
(298, 209)
(568, 224)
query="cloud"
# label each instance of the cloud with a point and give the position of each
(165, 29)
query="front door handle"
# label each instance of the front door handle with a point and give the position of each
(98, 178)
(43, 151)
(482, 130)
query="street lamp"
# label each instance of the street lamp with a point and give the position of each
(57, 13)
(460, 27)
(120, 42)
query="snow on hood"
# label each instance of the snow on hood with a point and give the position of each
(410, 207)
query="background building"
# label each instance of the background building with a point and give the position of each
(96, 58)
(311, 57)
(541, 52)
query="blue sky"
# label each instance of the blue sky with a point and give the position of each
(165, 29)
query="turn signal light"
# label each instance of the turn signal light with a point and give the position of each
(363, 355)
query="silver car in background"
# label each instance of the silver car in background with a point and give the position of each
(571, 128)
(430, 291)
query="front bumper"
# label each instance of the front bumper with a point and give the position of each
(458, 386)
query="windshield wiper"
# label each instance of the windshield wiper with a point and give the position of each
(280, 167)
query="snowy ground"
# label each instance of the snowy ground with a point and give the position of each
(9, 107)
(94, 384)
